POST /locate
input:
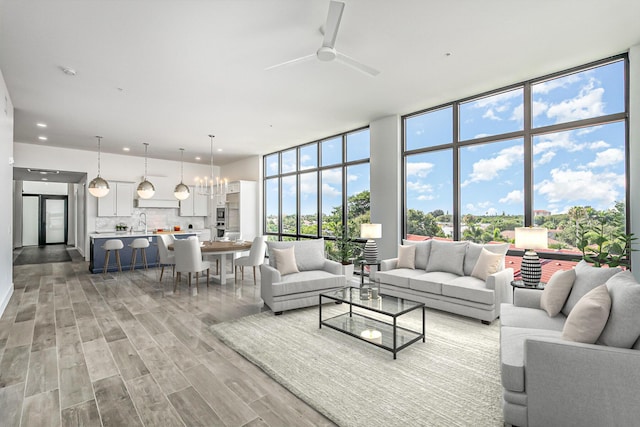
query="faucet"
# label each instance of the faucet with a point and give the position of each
(141, 222)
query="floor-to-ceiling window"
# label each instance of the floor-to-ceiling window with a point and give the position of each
(550, 151)
(319, 189)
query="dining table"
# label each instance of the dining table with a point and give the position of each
(222, 248)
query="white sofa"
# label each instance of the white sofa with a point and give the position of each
(549, 380)
(442, 278)
(315, 274)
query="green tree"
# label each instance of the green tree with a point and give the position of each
(422, 224)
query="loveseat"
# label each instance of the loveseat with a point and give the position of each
(566, 358)
(297, 273)
(448, 276)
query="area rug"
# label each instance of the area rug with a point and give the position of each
(452, 379)
(42, 255)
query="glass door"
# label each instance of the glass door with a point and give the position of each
(53, 226)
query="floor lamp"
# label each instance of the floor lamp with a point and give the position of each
(530, 238)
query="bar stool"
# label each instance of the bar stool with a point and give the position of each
(112, 245)
(142, 244)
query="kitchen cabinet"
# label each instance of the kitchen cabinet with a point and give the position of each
(119, 200)
(195, 205)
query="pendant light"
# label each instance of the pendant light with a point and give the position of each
(181, 191)
(146, 190)
(98, 187)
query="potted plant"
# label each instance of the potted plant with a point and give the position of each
(601, 248)
(343, 249)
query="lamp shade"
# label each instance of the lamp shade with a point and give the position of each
(531, 238)
(371, 231)
(181, 192)
(146, 190)
(98, 187)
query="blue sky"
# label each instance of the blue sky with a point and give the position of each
(577, 167)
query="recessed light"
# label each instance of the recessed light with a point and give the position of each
(126, 149)
(68, 71)
(42, 138)
(219, 149)
(41, 125)
(197, 158)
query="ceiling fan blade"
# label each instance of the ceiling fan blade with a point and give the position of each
(293, 61)
(333, 23)
(356, 64)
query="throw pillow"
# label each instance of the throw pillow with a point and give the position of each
(487, 264)
(406, 257)
(473, 253)
(285, 260)
(623, 327)
(447, 256)
(556, 292)
(587, 278)
(589, 316)
(423, 247)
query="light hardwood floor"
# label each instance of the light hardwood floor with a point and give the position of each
(80, 349)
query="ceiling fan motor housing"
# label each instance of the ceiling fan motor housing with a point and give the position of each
(326, 53)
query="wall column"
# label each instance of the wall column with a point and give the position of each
(634, 153)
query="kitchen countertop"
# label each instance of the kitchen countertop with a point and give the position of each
(118, 234)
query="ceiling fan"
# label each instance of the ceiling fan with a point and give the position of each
(327, 51)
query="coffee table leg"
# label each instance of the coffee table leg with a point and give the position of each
(423, 330)
(395, 325)
(320, 311)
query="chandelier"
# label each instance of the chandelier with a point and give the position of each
(212, 186)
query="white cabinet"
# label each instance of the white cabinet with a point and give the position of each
(195, 205)
(119, 200)
(242, 209)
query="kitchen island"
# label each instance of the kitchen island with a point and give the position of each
(97, 239)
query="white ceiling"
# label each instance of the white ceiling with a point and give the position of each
(190, 68)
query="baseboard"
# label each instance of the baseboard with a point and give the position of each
(4, 300)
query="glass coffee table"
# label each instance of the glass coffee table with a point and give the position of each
(381, 332)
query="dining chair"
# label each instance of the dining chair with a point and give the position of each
(254, 259)
(165, 256)
(189, 260)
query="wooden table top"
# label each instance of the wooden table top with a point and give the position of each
(222, 246)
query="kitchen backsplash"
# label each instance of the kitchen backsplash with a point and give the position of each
(156, 218)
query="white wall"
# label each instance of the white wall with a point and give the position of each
(634, 152)
(6, 194)
(386, 179)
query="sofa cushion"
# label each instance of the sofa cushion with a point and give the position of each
(406, 256)
(447, 256)
(557, 291)
(589, 316)
(532, 318)
(512, 342)
(309, 253)
(487, 264)
(470, 289)
(285, 260)
(423, 248)
(398, 277)
(431, 282)
(473, 253)
(623, 327)
(587, 278)
(306, 281)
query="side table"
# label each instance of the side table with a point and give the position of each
(364, 263)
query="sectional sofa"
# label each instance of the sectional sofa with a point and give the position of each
(464, 278)
(570, 355)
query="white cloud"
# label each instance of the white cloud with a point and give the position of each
(488, 169)
(419, 169)
(587, 104)
(497, 100)
(548, 86)
(332, 176)
(419, 187)
(538, 108)
(560, 140)
(607, 157)
(308, 185)
(328, 190)
(489, 114)
(567, 186)
(513, 197)
(598, 145)
(546, 158)
(492, 211)
(273, 167)
(425, 198)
